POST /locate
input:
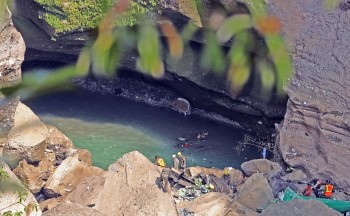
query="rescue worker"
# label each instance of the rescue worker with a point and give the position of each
(328, 190)
(175, 162)
(182, 161)
(159, 161)
(226, 175)
(308, 189)
(164, 179)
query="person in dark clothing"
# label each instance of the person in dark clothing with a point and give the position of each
(175, 162)
(164, 179)
(182, 161)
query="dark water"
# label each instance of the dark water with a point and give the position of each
(110, 127)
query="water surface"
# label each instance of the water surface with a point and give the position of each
(109, 127)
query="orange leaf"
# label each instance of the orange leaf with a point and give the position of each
(174, 40)
(268, 25)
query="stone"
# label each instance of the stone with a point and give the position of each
(57, 139)
(132, 187)
(68, 175)
(51, 203)
(194, 171)
(255, 192)
(261, 166)
(9, 200)
(72, 209)
(86, 193)
(12, 49)
(317, 121)
(236, 176)
(214, 204)
(296, 176)
(29, 176)
(301, 208)
(84, 156)
(26, 139)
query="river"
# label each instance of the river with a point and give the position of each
(109, 127)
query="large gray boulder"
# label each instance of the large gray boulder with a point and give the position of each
(68, 175)
(255, 192)
(132, 188)
(12, 49)
(215, 203)
(300, 208)
(261, 166)
(315, 132)
(26, 139)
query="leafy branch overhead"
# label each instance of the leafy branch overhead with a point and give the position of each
(268, 59)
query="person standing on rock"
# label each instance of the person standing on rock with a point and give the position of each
(159, 161)
(182, 162)
(175, 162)
(164, 179)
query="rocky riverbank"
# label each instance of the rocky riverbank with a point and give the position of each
(63, 180)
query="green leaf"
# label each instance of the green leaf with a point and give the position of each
(212, 57)
(232, 26)
(148, 48)
(267, 76)
(238, 76)
(257, 8)
(188, 32)
(281, 60)
(101, 52)
(83, 64)
(331, 4)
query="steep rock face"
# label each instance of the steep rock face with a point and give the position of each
(315, 133)
(12, 49)
(132, 188)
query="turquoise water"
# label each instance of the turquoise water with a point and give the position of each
(109, 127)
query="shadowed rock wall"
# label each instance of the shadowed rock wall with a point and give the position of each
(315, 133)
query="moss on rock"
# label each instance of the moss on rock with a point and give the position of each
(71, 15)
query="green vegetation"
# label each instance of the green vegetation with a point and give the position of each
(71, 15)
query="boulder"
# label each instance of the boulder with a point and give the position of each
(30, 176)
(26, 139)
(236, 176)
(57, 139)
(261, 166)
(86, 193)
(214, 204)
(51, 203)
(300, 208)
(72, 209)
(68, 175)
(315, 132)
(12, 49)
(255, 192)
(132, 187)
(295, 176)
(194, 171)
(84, 156)
(34, 177)
(9, 199)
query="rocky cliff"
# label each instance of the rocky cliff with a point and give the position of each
(315, 133)
(11, 49)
